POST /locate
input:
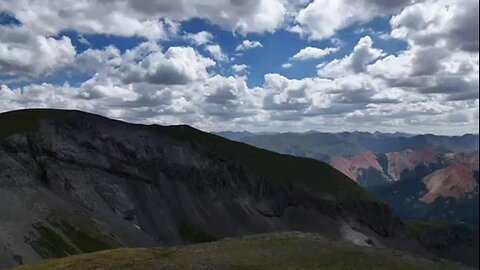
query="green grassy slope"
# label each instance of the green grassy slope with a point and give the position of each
(285, 251)
(313, 175)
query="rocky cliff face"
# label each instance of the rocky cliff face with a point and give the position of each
(72, 182)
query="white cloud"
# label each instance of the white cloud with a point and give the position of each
(37, 96)
(227, 98)
(84, 41)
(178, 65)
(216, 52)
(93, 60)
(443, 23)
(26, 54)
(282, 94)
(200, 38)
(287, 65)
(248, 45)
(451, 77)
(356, 62)
(442, 59)
(313, 53)
(239, 68)
(217, 103)
(150, 18)
(323, 18)
(107, 89)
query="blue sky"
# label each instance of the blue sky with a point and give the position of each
(324, 65)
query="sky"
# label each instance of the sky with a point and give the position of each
(255, 65)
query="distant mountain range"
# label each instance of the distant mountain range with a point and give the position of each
(424, 177)
(324, 146)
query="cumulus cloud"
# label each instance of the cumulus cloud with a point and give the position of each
(227, 98)
(239, 68)
(93, 60)
(227, 103)
(363, 54)
(216, 52)
(38, 96)
(323, 18)
(454, 75)
(285, 95)
(24, 53)
(100, 17)
(442, 59)
(200, 38)
(108, 89)
(457, 88)
(179, 65)
(443, 23)
(151, 19)
(313, 53)
(248, 45)
(146, 63)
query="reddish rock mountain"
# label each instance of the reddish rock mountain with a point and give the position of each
(455, 181)
(420, 184)
(469, 159)
(408, 161)
(425, 164)
(394, 166)
(355, 166)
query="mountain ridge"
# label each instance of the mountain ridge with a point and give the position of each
(324, 146)
(69, 177)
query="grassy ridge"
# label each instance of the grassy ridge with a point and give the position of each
(285, 251)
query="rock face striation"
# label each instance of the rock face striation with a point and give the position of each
(72, 182)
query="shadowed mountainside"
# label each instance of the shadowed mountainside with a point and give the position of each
(72, 182)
